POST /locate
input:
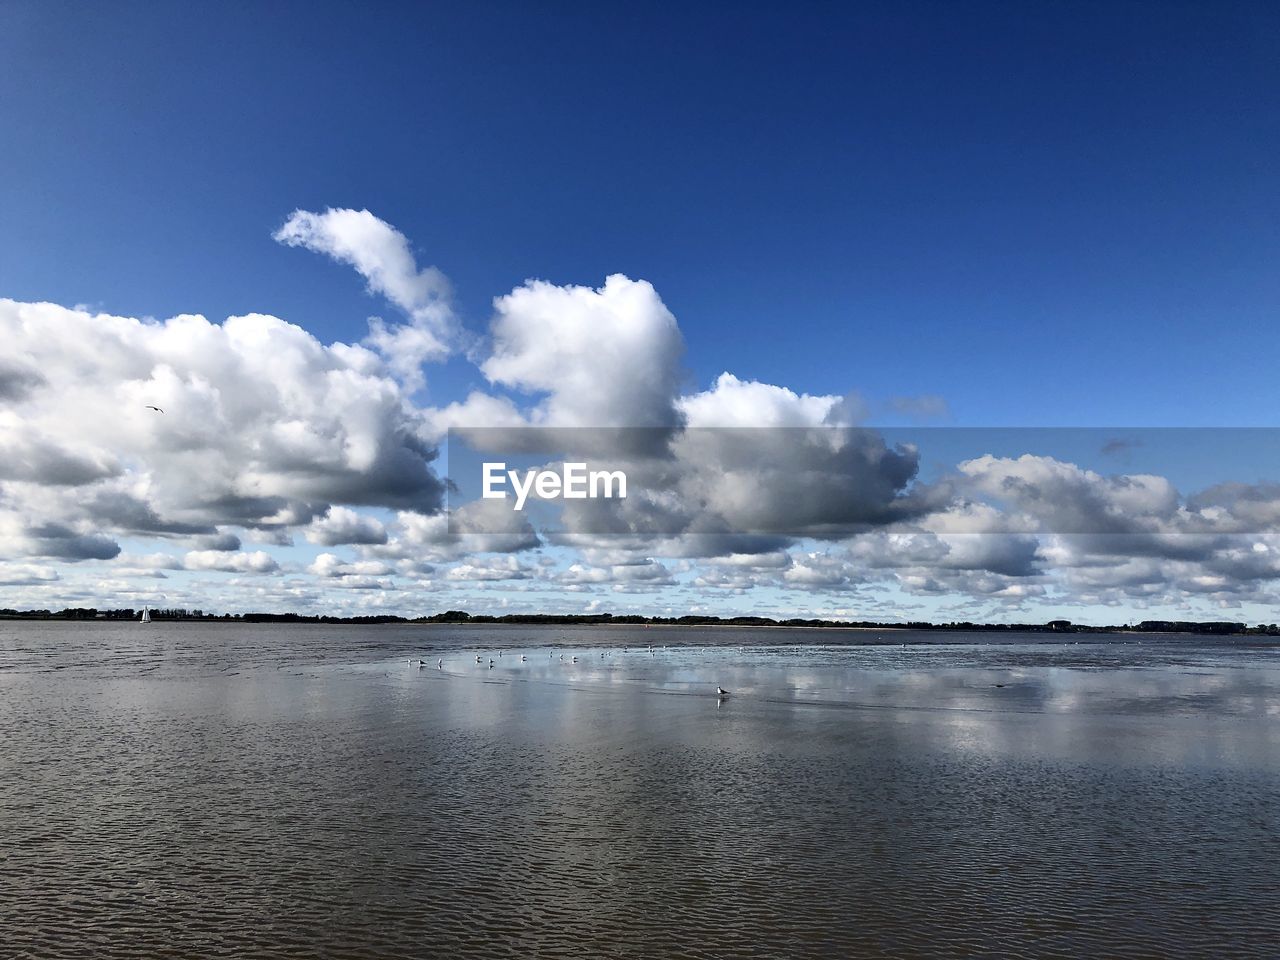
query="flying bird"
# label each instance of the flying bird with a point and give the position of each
(155, 408)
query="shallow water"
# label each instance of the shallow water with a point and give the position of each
(283, 791)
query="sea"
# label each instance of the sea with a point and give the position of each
(235, 790)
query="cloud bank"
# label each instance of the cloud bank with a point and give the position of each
(285, 472)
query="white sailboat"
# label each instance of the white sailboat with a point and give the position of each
(146, 614)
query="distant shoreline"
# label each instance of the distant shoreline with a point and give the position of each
(462, 618)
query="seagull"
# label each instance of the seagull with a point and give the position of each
(154, 407)
(721, 693)
(440, 664)
(491, 663)
(523, 658)
(478, 660)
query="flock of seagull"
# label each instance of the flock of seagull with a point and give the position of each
(721, 692)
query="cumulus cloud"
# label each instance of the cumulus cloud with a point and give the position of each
(820, 570)
(259, 561)
(264, 427)
(329, 565)
(600, 357)
(150, 561)
(26, 574)
(483, 526)
(732, 402)
(18, 377)
(56, 541)
(269, 436)
(1063, 498)
(25, 455)
(343, 525)
(636, 575)
(818, 482)
(491, 569)
(217, 541)
(382, 255)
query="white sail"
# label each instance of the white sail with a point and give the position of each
(146, 614)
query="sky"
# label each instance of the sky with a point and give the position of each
(986, 215)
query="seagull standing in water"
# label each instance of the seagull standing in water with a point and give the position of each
(721, 693)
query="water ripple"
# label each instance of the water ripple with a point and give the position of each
(216, 806)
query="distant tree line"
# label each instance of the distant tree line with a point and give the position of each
(119, 613)
(1223, 627)
(1053, 626)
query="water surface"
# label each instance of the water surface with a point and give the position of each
(282, 791)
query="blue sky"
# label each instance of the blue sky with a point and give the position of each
(1030, 215)
(1055, 214)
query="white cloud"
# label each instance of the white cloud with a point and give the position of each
(26, 455)
(600, 357)
(26, 574)
(381, 254)
(1063, 498)
(485, 526)
(268, 435)
(820, 570)
(342, 525)
(646, 573)
(259, 561)
(747, 403)
(491, 569)
(329, 565)
(263, 427)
